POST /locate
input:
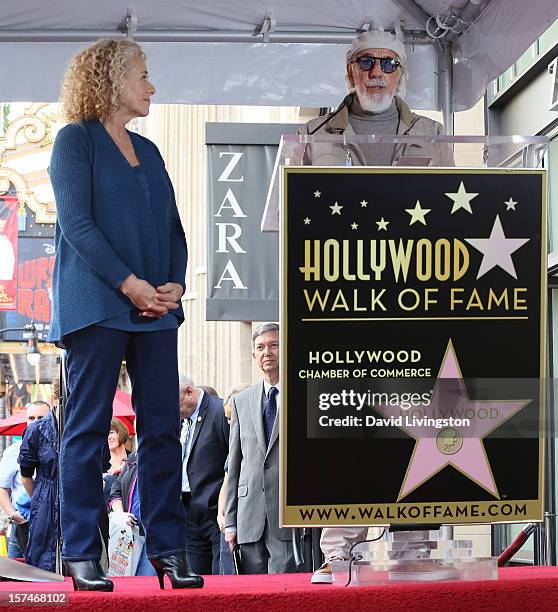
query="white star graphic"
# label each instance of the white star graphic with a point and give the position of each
(307, 221)
(461, 199)
(336, 209)
(363, 204)
(382, 224)
(497, 250)
(354, 225)
(418, 213)
(317, 194)
(510, 204)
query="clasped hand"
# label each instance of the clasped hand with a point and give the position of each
(153, 302)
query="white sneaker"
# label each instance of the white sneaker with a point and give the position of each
(324, 574)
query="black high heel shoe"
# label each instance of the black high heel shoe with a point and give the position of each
(177, 568)
(88, 576)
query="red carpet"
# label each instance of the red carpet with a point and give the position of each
(518, 590)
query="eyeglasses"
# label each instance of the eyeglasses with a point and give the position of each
(387, 64)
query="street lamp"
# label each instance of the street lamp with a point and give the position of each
(33, 352)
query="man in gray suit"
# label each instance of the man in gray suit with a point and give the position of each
(252, 510)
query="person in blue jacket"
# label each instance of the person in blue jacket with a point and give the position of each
(38, 456)
(118, 278)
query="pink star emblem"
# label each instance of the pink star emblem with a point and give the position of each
(459, 447)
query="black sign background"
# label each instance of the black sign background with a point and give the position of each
(333, 471)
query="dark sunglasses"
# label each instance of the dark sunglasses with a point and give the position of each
(387, 64)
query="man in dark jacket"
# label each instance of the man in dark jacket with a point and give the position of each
(205, 446)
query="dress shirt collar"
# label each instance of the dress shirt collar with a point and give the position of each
(267, 387)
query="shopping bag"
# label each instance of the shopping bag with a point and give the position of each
(124, 546)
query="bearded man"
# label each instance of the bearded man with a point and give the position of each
(376, 76)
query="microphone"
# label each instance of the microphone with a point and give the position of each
(347, 101)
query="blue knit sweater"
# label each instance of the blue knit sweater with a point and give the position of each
(100, 237)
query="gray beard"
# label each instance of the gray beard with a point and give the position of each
(374, 103)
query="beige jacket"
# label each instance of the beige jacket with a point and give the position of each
(411, 124)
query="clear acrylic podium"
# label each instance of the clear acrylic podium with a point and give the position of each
(413, 556)
(469, 152)
(421, 555)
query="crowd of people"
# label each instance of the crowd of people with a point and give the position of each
(29, 486)
(29, 478)
(203, 482)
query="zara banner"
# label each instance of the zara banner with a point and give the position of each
(413, 327)
(242, 269)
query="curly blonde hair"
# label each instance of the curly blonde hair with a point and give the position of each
(94, 81)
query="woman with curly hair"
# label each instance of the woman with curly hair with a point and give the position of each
(118, 278)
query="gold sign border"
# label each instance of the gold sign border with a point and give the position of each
(289, 516)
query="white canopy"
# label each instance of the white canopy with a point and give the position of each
(272, 52)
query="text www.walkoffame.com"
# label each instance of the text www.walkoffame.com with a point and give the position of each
(500, 510)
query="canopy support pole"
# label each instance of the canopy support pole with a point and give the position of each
(445, 84)
(412, 37)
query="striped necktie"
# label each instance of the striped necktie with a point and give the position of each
(185, 437)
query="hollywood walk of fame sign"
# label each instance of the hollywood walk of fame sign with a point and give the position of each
(413, 331)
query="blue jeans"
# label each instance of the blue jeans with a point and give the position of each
(93, 362)
(144, 565)
(14, 551)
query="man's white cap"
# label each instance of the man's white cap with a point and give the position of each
(377, 39)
